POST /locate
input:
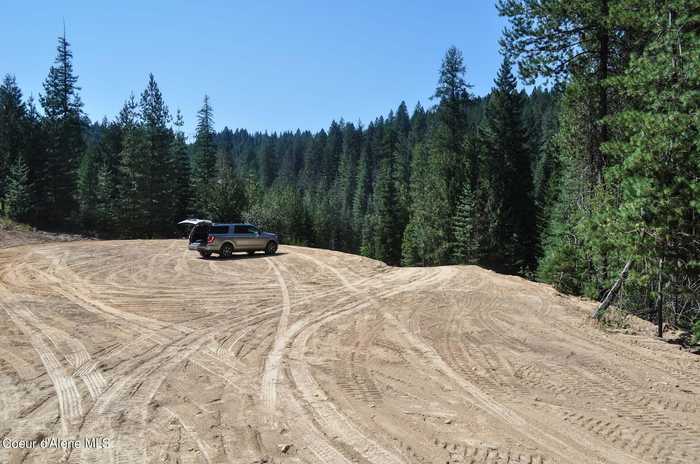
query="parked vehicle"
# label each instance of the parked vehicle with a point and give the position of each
(225, 239)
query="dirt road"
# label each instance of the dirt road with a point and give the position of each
(323, 357)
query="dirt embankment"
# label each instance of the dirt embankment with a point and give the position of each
(14, 234)
(316, 356)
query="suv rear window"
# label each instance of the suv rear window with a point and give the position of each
(219, 230)
(244, 229)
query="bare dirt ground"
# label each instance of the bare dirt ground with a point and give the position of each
(316, 356)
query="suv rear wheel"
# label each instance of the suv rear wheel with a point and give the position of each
(271, 248)
(226, 250)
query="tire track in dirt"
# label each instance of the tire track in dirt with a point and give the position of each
(274, 358)
(649, 426)
(432, 360)
(69, 400)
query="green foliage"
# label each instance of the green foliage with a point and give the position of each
(656, 153)
(386, 230)
(87, 188)
(107, 206)
(227, 197)
(281, 209)
(426, 238)
(645, 206)
(17, 198)
(13, 127)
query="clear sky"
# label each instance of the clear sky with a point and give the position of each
(267, 65)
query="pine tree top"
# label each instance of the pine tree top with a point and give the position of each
(61, 98)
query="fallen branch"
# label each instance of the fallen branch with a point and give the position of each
(612, 293)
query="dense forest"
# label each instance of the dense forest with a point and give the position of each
(565, 184)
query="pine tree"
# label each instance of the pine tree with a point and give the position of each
(313, 158)
(17, 198)
(107, 206)
(131, 189)
(157, 165)
(564, 260)
(426, 238)
(360, 198)
(419, 124)
(465, 247)
(658, 165)
(507, 175)
(146, 167)
(13, 128)
(267, 161)
(88, 188)
(64, 140)
(387, 234)
(34, 145)
(333, 149)
(204, 159)
(560, 38)
(182, 196)
(448, 135)
(453, 95)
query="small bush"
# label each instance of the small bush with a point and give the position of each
(696, 331)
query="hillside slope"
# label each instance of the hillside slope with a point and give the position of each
(318, 356)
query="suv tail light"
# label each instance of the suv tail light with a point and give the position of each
(210, 240)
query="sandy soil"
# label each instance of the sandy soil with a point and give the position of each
(316, 356)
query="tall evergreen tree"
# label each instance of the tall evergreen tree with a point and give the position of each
(387, 233)
(146, 165)
(448, 135)
(157, 161)
(64, 139)
(507, 173)
(452, 93)
(204, 159)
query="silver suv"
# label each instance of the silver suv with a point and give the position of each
(207, 238)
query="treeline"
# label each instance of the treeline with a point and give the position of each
(564, 185)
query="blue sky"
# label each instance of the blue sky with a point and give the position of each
(267, 65)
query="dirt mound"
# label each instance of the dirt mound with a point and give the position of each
(316, 356)
(14, 234)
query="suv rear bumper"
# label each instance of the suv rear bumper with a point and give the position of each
(201, 247)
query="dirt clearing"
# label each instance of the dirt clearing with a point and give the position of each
(324, 357)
